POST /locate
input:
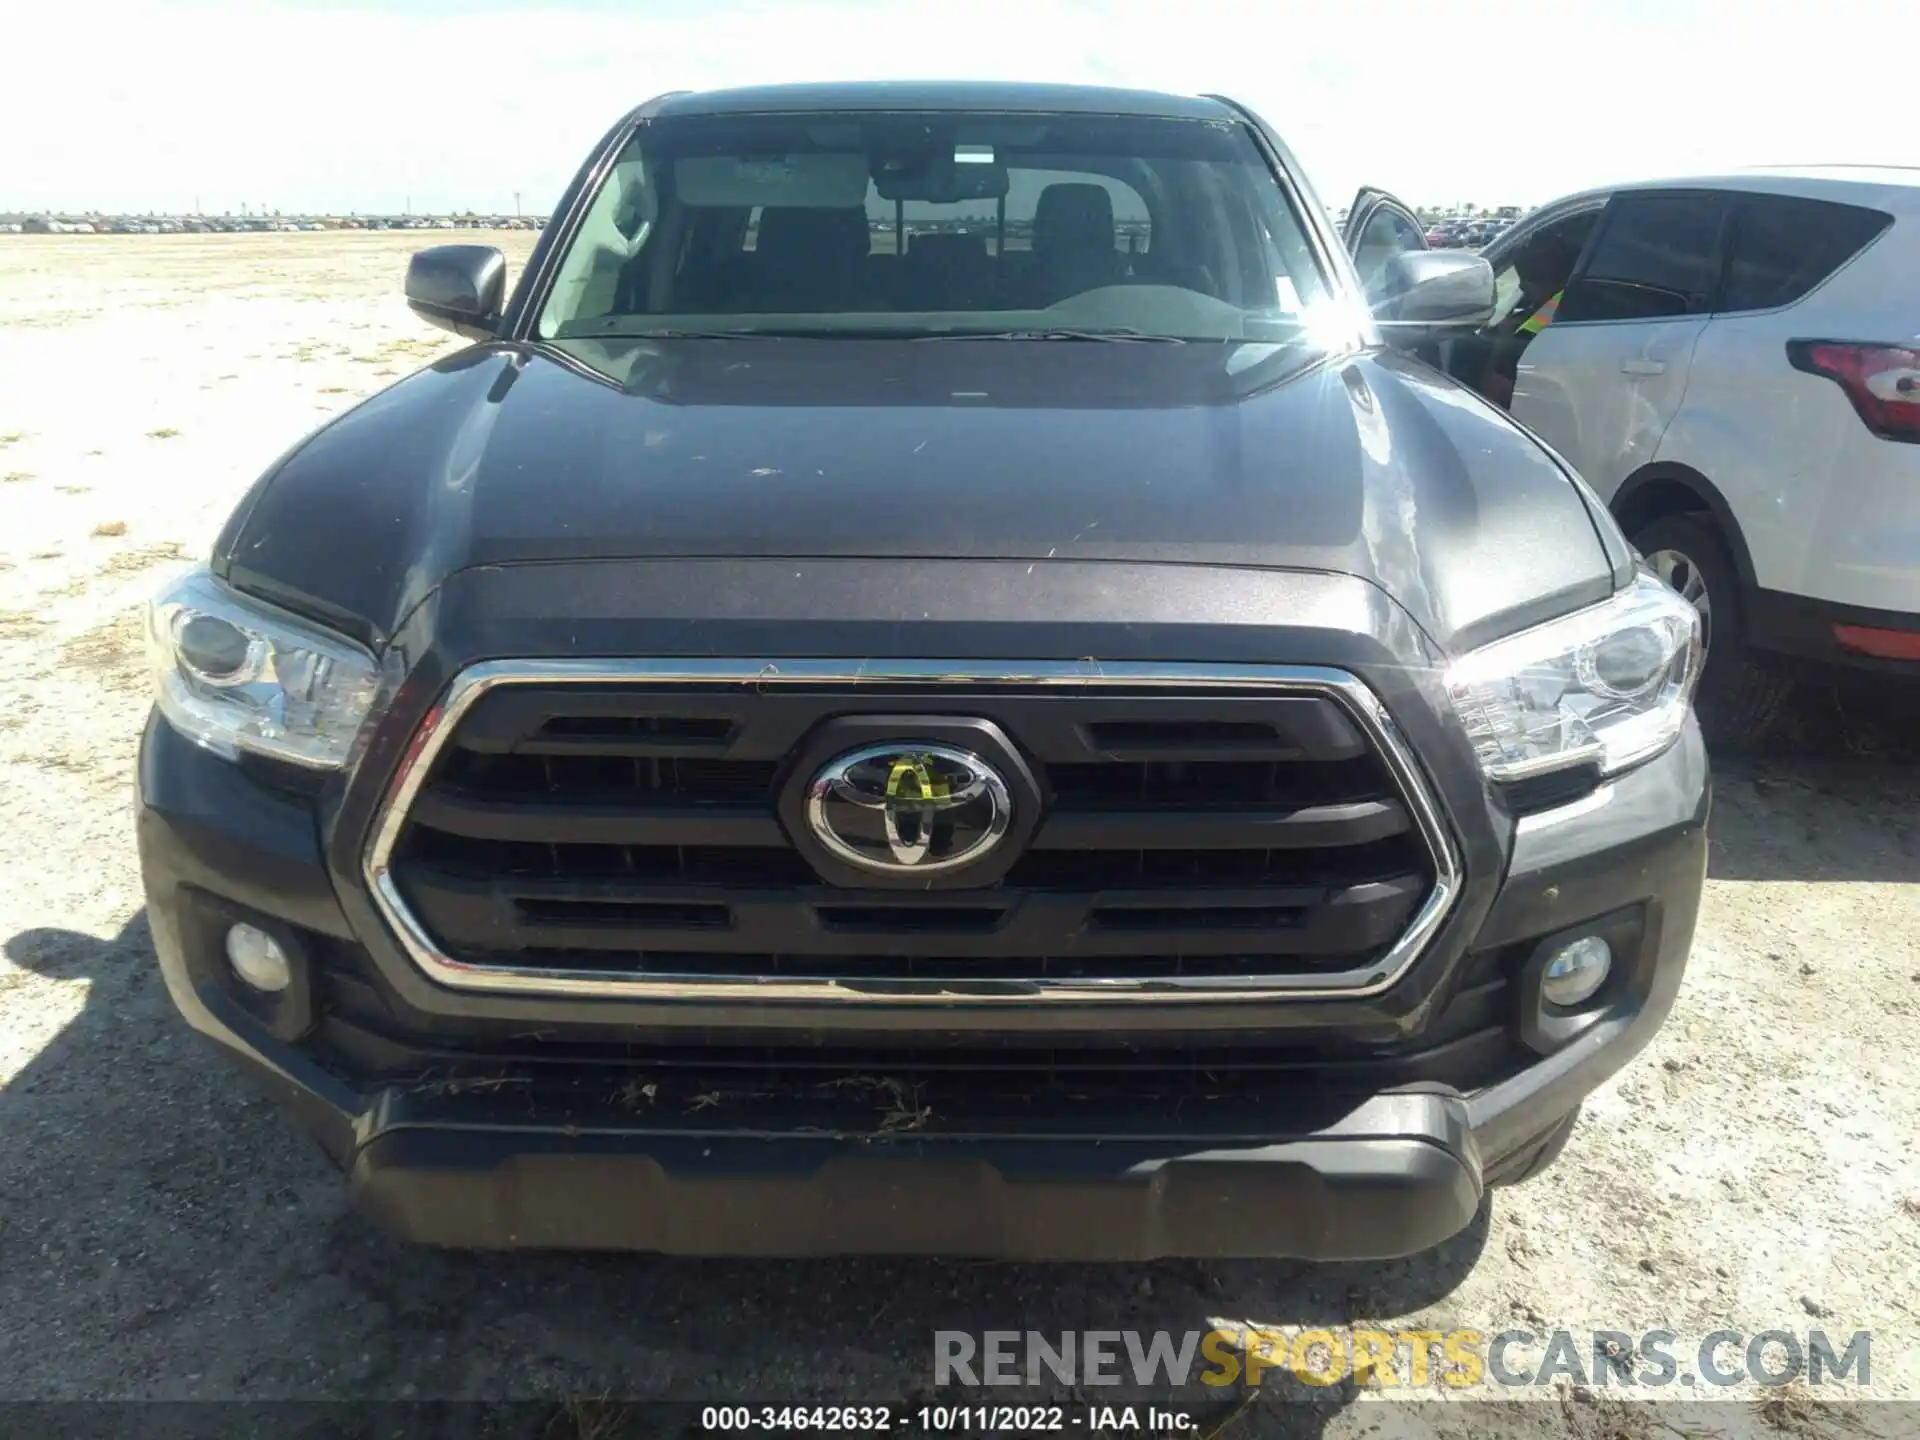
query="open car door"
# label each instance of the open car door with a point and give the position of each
(1378, 228)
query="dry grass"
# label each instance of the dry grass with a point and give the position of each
(1587, 1415)
(14, 477)
(636, 1095)
(593, 1417)
(900, 1109)
(165, 432)
(62, 760)
(115, 653)
(412, 349)
(128, 562)
(1845, 713)
(108, 529)
(472, 1084)
(1224, 1421)
(1793, 1410)
(19, 623)
(906, 1112)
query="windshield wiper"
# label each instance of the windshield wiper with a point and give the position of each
(1058, 332)
(1113, 336)
(753, 332)
(671, 334)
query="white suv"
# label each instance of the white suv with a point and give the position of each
(1734, 366)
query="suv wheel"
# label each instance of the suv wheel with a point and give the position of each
(1739, 696)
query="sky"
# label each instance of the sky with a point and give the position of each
(382, 105)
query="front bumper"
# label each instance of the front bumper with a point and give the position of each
(1350, 1161)
(1396, 1174)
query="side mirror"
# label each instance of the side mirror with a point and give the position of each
(462, 288)
(1426, 294)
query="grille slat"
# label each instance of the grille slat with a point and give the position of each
(1305, 924)
(642, 820)
(593, 724)
(604, 778)
(606, 822)
(1315, 827)
(624, 832)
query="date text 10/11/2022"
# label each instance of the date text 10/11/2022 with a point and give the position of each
(950, 1419)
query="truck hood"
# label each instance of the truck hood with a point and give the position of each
(1038, 451)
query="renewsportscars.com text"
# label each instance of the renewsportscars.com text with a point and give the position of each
(1458, 1359)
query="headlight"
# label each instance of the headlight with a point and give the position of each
(234, 674)
(1608, 685)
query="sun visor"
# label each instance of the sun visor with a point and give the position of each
(822, 182)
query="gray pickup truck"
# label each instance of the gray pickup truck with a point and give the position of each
(939, 678)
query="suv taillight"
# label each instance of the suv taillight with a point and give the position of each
(1882, 381)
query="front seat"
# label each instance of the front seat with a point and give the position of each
(1073, 242)
(948, 272)
(807, 261)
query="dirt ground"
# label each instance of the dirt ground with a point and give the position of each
(164, 1233)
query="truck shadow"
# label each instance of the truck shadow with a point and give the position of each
(1830, 794)
(221, 1262)
(1837, 819)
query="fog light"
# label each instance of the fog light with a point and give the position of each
(257, 958)
(1576, 970)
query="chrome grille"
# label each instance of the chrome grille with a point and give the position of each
(610, 827)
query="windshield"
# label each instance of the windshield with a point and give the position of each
(864, 223)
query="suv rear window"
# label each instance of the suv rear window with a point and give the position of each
(1657, 256)
(1784, 245)
(929, 223)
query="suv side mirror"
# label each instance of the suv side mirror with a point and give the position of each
(1428, 293)
(462, 288)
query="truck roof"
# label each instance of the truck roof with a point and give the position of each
(956, 95)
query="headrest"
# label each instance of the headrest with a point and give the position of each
(1073, 217)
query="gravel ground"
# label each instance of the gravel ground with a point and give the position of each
(165, 1234)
